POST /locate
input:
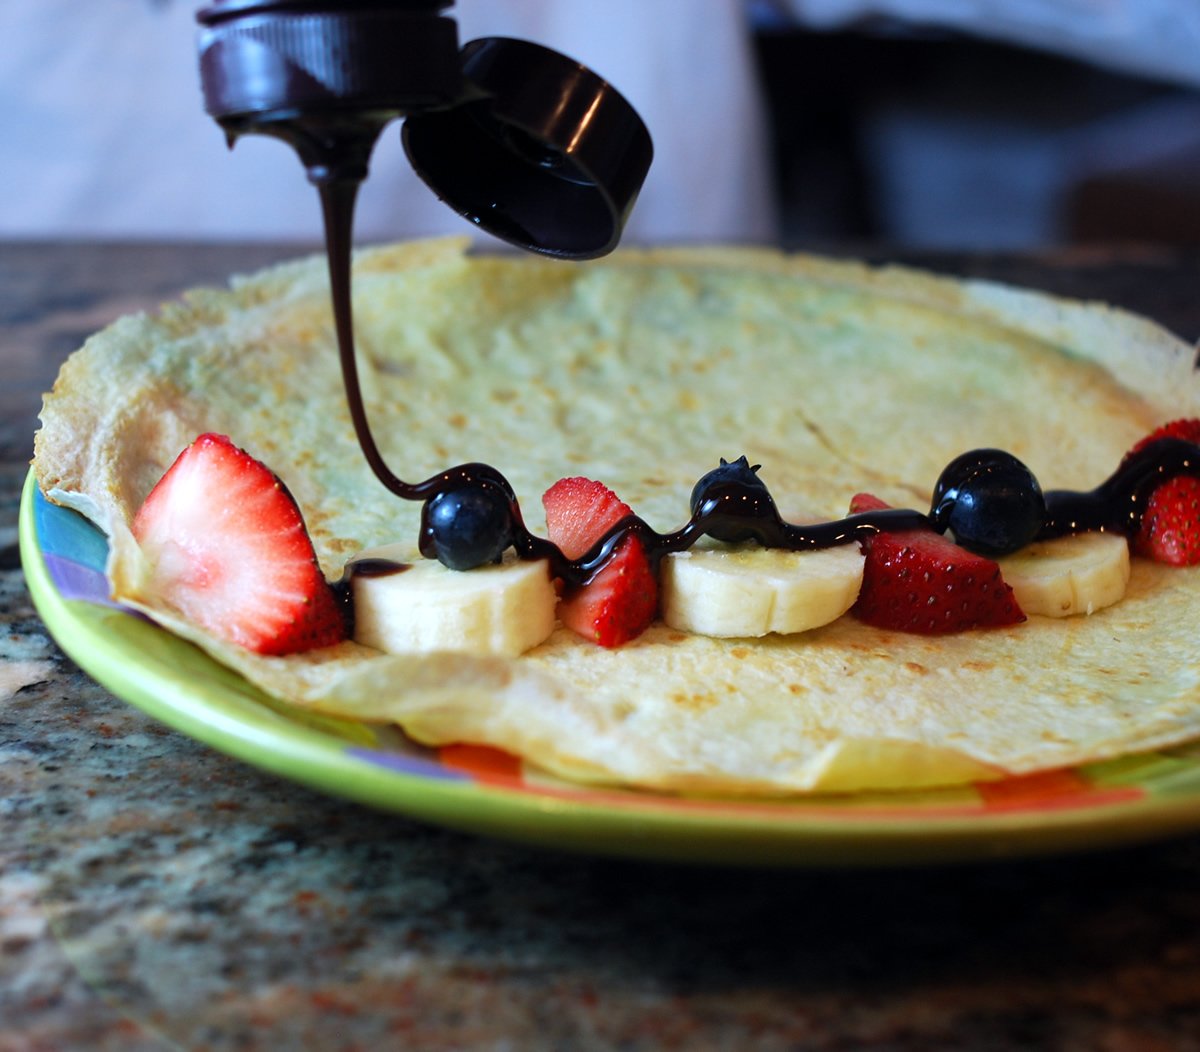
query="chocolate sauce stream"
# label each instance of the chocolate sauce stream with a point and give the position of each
(1117, 504)
(338, 196)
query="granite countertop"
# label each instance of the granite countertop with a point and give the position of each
(156, 894)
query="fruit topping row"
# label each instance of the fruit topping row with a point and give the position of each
(228, 548)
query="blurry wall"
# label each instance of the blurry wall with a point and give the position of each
(944, 123)
(105, 134)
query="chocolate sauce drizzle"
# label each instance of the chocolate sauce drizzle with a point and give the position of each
(762, 520)
(1117, 504)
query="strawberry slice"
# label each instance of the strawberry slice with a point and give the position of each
(618, 603)
(918, 581)
(1170, 529)
(229, 549)
(1186, 428)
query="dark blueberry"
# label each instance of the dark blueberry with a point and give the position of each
(990, 501)
(731, 499)
(467, 527)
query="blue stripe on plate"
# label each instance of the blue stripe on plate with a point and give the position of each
(66, 533)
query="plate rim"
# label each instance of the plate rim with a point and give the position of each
(639, 827)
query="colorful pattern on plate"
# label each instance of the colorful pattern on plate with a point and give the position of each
(1068, 789)
(75, 552)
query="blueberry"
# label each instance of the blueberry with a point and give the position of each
(731, 499)
(990, 501)
(466, 527)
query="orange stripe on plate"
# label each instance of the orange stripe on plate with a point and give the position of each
(487, 765)
(1050, 791)
(1046, 791)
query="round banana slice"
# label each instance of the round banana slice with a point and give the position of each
(753, 591)
(401, 607)
(1069, 575)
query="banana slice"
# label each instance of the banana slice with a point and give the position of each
(505, 608)
(752, 591)
(1069, 575)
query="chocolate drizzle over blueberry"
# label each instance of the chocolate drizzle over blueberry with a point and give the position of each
(987, 498)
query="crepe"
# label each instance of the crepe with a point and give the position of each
(641, 370)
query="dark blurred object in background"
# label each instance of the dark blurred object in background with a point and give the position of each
(936, 140)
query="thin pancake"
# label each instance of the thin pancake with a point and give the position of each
(641, 370)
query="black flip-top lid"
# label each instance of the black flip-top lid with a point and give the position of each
(546, 155)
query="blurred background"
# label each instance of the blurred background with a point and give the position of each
(1007, 124)
(942, 124)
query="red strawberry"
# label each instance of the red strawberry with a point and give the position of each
(1170, 530)
(229, 549)
(1186, 428)
(917, 581)
(618, 603)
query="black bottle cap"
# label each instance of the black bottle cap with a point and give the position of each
(260, 58)
(546, 154)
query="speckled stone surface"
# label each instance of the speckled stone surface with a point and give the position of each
(155, 894)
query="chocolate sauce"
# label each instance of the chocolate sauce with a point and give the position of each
(1117, 504)
(369, 567)
(373, 567)
(336, 158)
(337, 197)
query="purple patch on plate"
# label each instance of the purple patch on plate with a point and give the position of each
(76, 581)
(395, 761)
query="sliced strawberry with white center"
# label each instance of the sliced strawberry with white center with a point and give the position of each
(621, 600)
(918, 581)
(228, 548)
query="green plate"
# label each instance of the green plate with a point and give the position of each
(484, 791)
